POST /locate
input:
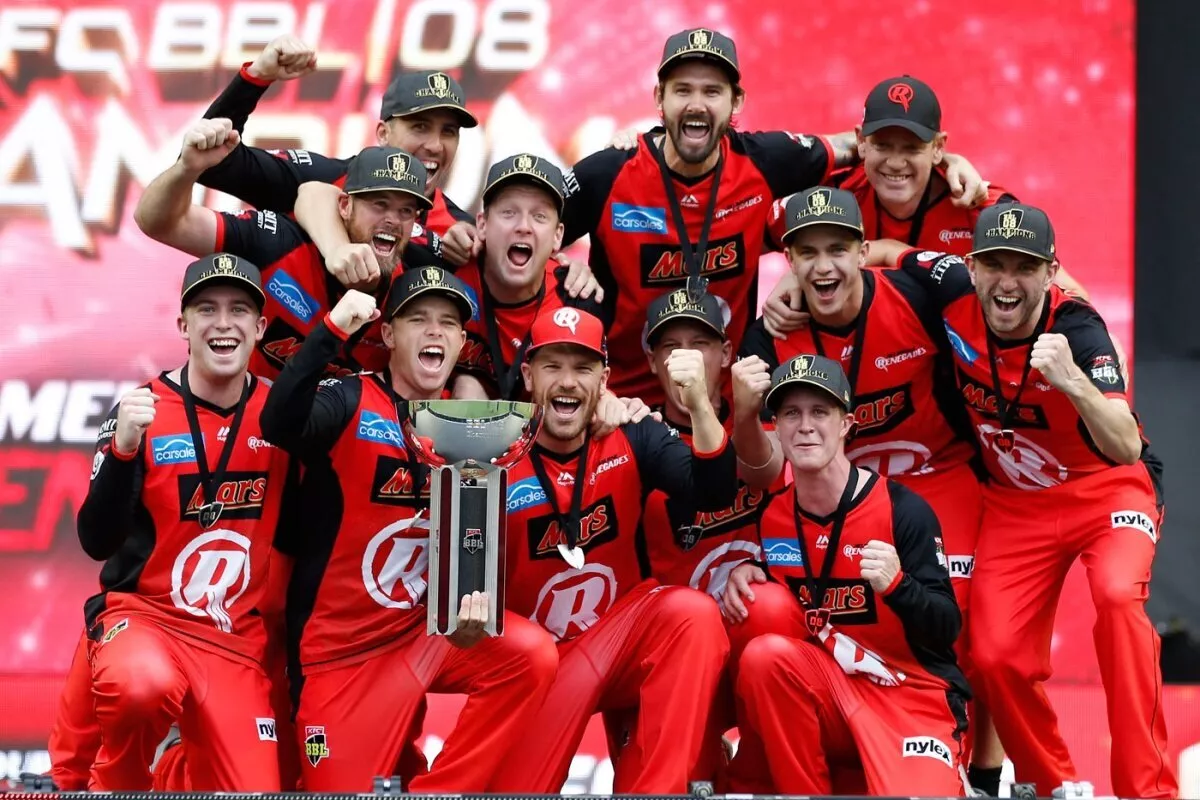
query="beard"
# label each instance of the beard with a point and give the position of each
(691, 149)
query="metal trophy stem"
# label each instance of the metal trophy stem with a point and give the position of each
(469, 444)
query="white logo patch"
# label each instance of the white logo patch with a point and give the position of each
(1136, 520)
(216, 578)
(567, 318)
(929, 747)
(266, 729)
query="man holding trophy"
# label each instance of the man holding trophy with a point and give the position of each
(361, 572)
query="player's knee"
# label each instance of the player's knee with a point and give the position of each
(1113, 594)
(774, 610)
(533, 648)
(998, 656)
(680, 604)
(762, 663)
(141, 688)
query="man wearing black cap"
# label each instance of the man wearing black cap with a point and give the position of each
(575, 507)
(383, 194)
(1070, 475)
(182, 508)
(872, 682)
(355, 606)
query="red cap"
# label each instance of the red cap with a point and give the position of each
(568, 326)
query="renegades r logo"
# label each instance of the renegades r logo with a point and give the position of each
(598, 524)
(661, 264)
(241, 493)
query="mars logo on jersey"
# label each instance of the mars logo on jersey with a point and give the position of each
(597, 525)
(850, 602)
(575, 599)
(241, 495)
(663, 263)
(393, 484)
(316, 748)
(745, 509)
(880, 412)
(982, 400)
(395, 562)
(210, 574)
(475, 356)
(280, 342)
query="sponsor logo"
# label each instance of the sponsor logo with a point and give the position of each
(1106, 374)
(928, 747)
(394, 483)
(472, 540)
(254, 443)
(721, 213)
(241, 494)
(326, 383)
(570, 183)
(526, 495)
(852, 550)
(947, 236)
(1136, 520)
(961, 566)
(663, 263)
(395, 563)
(925, 256)
(939, 269)
(689, 201)
(884, 362)
(222, 433)
(114, 630)
(107, 430)
(597, 525)
(374, 427)
(847, 351)
(173, 448)
(316, 746)
(266, 729)
(638, 219)
(97, 462)
(473, 299)
(782, 551)
(849, 602)
(746, 507)
(291, 295)
(267, 221)
(609, 463)
(823, 542)
(210, 574)
(957, 343)
(880, 412)
(801, 139)
(280, 342)
(301, 157)
(982, 399)
(940, 551)
(565, 479)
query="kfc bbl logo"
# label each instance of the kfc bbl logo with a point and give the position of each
(315, 746)
(472, 540)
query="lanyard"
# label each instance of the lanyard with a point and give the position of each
(506, 374)
(568, 523)
(816, 615)
(210, 480)
(1006, 437)
(693, 257)
(416, 468)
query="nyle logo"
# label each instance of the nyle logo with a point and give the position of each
(1136, 520)
(241, 494)
(174, 448)
(291, 295)
(638, 219)
(266, 729)
(960, 566)
(526, 495)
(927, 746)
(374, 427)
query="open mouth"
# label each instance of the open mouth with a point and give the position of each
(696, 129)
(431, 168)
(1006, 304)
(223, 347)
(565, 407)
(826, 288)
(432, 357)
(384, 244)
(895, 180)
(519, 254)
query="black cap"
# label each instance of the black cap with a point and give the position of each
(819, 371)
(422, 280)
(903, 102)
(1014, 226)
(700, 43)
(386, 169)
(821, 205)
(421, 91)
(525, 168)
(221, 268)
(677, 305)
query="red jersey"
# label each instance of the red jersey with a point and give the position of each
(907, 416)
(498, 333)
(360, 569)
(937, 224)
(619, 470)
(142, 514)
(903, 637)
(700, 549)
(619, 198)
(1051, 445)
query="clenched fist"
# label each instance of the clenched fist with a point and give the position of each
(134, 415)
(207, 143)
(461, 243)
(686, 368)
(284, 59)
(1051, 356)
(354, 266)
(353, 311)
(751, 380)
(879, 564)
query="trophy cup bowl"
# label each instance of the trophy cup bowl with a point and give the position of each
(469, 444)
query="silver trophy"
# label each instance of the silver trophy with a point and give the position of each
(469, 444)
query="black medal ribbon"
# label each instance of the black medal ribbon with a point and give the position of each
(418, 470)
(1005, 439)
(569, 522)
(210, 480)
(505, 374)
(816, 615)
(693, 257)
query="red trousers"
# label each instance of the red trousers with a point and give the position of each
(1110, 520)
(144, 678)
(659, 649)
(354, 721)
(75, 736)
(811, 716)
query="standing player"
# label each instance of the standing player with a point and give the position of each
(383, 194)
(182, 508)
(874, 682)
(1070, 477)
(575, 506)
(355, 610)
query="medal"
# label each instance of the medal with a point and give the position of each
(815, 619)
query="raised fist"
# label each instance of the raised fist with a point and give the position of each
(134, 415)
(207, 143)
(284, 59)
(353, 311)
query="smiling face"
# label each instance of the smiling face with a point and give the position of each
(521, 229)
(567, 381)
(425, 338)
(221, 325)
(899, 165)
(697, 102)
(812, 428)
(383, 220)
(827, 260)
(431, 136)
(1011, 287)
